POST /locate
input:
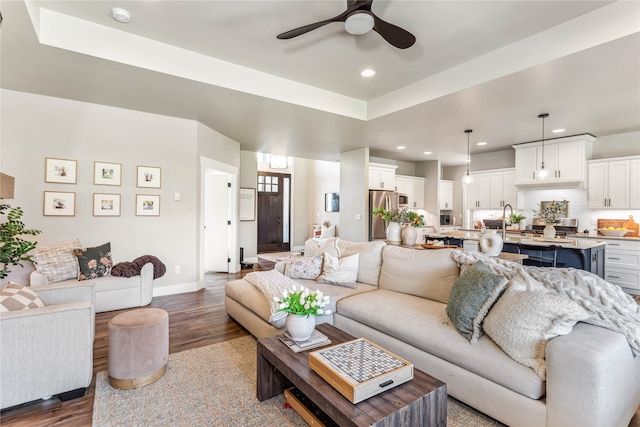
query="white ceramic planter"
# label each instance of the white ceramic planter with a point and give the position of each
(300, 327)
(393, 234)
(409, 235)
(491, 243)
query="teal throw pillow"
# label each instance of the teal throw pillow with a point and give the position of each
(472, 295)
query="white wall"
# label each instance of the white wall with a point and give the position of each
(354, 195)
(35, 127)
(618, 145)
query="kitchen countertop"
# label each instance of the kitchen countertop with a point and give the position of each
(593, 236)
(515, 238)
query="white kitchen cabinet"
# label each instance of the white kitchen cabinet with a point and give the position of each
(413, 187)
(382, 177)
(446, 195)
(634, 184)
(622, 263)
(564, 160)
(416, 194)
(478, 194)
(502, 189)
(609, 184)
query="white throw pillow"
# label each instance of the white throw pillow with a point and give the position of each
(327, 232)
(522, 321)
(303, 267)
(340, 271)
(57, 262)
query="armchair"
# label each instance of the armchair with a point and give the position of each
(48, 351)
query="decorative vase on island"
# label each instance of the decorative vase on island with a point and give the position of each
(393, 233)
(300, 327)
(409, 235)
(491, 243)
(549, 231)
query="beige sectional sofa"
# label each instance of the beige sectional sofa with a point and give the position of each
(592, 378)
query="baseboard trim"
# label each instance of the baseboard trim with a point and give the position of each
(179, 288)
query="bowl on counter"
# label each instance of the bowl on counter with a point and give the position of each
(613, 233)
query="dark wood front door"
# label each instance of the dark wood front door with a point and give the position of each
(273, 215)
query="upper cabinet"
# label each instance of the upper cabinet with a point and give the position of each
(503, 192)
(446, 195)
(492, 189)
(614, 184)
(564, 158)
(477, 195)
(413, 187)
(382, 177)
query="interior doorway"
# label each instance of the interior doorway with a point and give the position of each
(219, 233)
(274, 212)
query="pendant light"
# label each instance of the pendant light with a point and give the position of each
(542, 173)
(468, 179)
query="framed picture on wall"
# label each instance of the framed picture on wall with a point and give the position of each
(107, 173)
(149, 177)
(62, 171)
(332, 202)
(106, 204)
(59, 203)
(247, 204)
(147, 205)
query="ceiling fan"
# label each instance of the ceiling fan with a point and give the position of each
(359, 19)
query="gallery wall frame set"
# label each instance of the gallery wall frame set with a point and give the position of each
(147, 205)
(59, 203)
(61, 171)
(106, 204)
(105, 173)
(149, 177)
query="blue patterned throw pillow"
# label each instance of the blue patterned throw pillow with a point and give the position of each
(303, 267)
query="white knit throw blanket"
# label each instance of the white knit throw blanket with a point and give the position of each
(271, 283)
(607, 304)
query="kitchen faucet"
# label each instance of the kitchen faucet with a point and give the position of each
(504, 220)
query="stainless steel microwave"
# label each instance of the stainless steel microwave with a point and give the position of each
(403, 200)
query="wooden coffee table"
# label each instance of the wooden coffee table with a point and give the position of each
(419, 402)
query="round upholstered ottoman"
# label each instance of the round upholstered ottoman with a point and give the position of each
(138, 347)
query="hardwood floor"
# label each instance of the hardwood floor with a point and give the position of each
(196, 319)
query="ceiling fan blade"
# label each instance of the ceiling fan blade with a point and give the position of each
(352, 5)
(396, 36)
(304, 29)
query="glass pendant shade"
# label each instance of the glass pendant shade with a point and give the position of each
(468, 178)
(542, 173)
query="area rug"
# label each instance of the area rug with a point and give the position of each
(215, 386)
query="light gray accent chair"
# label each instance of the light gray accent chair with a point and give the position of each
(48, 351)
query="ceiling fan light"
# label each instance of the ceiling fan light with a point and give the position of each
(358, 23)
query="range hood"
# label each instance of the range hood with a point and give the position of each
(568, 184)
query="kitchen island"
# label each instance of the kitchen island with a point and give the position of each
(588, 255)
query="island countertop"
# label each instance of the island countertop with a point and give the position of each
(517, 238)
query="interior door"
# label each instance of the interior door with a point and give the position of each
(216, 222)
(273, 212)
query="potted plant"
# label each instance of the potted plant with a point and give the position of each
(302, 305)
(13, 249)
(515, 218)
(395, 219)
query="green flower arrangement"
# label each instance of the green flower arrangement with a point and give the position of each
(403, 216)
(303, 302)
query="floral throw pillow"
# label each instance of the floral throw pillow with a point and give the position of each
(94, 262)
(303, 267)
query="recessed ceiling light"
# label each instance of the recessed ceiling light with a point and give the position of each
(558, 130)
(120, 15)
(367, 73)
(427, 152)
(400, 147)
(482, 143)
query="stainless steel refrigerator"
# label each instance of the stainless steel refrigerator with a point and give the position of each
(380, 199)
